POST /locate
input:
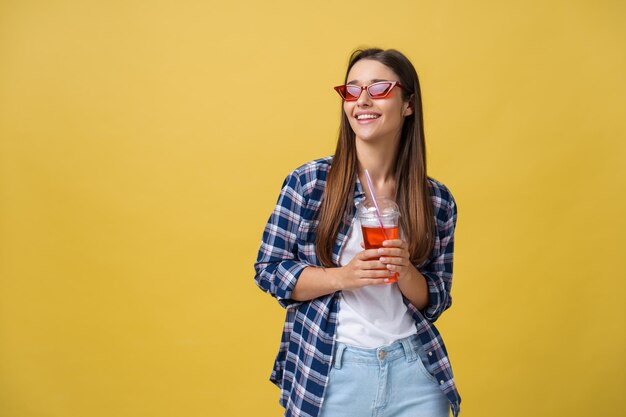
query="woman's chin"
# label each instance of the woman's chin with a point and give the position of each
(369, 137)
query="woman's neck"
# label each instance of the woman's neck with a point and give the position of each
(378, 158)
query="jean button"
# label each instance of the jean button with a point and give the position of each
(381, 355)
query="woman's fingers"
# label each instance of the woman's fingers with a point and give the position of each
(375, 273)
(368, 254)
(374, 266)
(395, 243)
(395, 268)
(371, 264)
(394, 260)
(375, 281)
(398, 252)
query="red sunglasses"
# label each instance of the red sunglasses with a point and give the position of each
(381, 89)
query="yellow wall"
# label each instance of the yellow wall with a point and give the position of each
(143, 144)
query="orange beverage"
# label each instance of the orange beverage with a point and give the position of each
(372, 216)
(373, 238)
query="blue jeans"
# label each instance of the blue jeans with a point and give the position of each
(389, 381)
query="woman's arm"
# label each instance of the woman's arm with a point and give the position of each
(412, 284)
(361, 271)
(438, 271)
(277, 266)
(415, 288)
(428, 288)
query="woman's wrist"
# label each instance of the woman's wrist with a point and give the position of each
(414, 287)
(335, 275)
(315, 281)
(412, 274)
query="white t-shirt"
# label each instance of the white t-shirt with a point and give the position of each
(370, 316)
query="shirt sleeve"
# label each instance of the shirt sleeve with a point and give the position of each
(438, 271)
(277, 266)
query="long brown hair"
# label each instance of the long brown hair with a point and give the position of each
(412, 191)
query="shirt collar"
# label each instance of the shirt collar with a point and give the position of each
(359, 194)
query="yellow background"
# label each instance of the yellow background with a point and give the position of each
(143, 144)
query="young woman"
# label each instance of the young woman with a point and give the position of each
(354, 344)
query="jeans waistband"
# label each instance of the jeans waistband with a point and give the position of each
(407, 348)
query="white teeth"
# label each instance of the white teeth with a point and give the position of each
(367, 116)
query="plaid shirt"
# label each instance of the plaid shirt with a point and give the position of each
(288, 246)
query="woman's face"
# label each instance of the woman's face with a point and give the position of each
(386, 115)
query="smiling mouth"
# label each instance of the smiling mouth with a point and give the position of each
(367, 116)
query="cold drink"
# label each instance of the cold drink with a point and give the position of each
(373, 233)
(373, 238)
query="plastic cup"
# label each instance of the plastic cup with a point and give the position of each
(373, 233)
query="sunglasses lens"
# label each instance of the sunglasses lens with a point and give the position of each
(352, 92)
(379, 90)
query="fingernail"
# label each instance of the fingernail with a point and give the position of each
(381, 250)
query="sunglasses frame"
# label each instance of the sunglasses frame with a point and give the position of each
(342, 89)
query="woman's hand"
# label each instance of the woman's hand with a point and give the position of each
(363, 270)
(395, 257)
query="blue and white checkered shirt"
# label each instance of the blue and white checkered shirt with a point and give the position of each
(304, 358)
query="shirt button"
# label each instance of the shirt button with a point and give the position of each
(430, 354)
(381, 355)
(441, 382)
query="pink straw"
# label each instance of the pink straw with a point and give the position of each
(371, 187)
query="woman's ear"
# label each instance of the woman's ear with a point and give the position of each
(408, 109)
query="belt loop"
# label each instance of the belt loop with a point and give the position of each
(410, 349)
(338, 355)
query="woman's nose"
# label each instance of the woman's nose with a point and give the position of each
(364, 99)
